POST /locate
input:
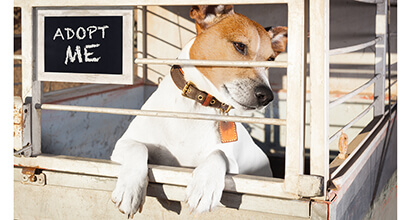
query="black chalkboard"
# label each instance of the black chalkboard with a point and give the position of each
(89, 44)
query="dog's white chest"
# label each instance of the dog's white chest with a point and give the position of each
(170, 140)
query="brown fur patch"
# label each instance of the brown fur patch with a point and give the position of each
(216, 43)
(279, 36)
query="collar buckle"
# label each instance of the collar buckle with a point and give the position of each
(186, 88)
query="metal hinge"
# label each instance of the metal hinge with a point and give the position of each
(33, 176)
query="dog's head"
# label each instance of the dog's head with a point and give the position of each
(223, 34)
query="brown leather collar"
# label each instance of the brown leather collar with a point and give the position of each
(189, 90)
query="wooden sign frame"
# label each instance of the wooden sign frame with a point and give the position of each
(125, 76)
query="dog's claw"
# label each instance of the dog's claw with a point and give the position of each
(130, 191)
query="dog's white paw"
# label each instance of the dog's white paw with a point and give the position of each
(205, 190)
(130, 191)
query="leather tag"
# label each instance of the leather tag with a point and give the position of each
(228, 131)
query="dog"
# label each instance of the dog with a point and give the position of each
(214, 148)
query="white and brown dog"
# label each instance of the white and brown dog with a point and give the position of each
(214, 148)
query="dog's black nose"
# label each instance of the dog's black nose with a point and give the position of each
(264, 95)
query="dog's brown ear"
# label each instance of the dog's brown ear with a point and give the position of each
(207, 15)
(279, 38)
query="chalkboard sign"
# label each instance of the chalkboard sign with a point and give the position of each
(88, 45)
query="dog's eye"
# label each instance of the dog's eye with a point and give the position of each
(240, 47)
(271, 59)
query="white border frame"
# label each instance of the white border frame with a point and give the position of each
(126, 77)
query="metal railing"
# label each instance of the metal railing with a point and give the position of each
(352, 122)
(277, 64)
(296, 91)
(353, 48)
(353, 93)
(295, 122)
(163, 114)
(319, 72)
(379, 77)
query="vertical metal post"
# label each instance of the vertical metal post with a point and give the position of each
(295, 127)
(36, 118)
(26, 50)
(380, 58)
(31, 88)
(142, 40)
(37, 94)
(319, 75)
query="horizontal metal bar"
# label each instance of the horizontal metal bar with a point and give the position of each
(180, 176)
(358, 90)
(352, 122)
(166, 114)
(371, 1)
(353, 48)
(377, 121)
(387, 88)
(22, 150)
(353, 165)
(277, 64)
(73, 3)
(18, 57)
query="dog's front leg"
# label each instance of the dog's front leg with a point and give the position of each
(130, 191)
(205, 190)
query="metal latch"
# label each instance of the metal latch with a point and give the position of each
(33, 176)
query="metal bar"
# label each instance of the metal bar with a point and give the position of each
(387, 88)
(353, 164)
(370, 1)
(37, 95)
(319, 103)
(256, 185)
(182, 115)
(352, 122)
(357, 146)
(36, 117)
(354, 47)
(358, 90)
(22, 150)
(73, 3)
(27, 50)
(380, 57)
(143, 19)
(276, 64)
(295, 113)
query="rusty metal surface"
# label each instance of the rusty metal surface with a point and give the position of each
(32, 175)
(27, 148)
(343, 145)
(18, 123)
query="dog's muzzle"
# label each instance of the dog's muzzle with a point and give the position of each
(249, 94)
(264, 95)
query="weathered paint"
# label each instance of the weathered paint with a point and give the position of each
(18, 123)
(343, 145)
